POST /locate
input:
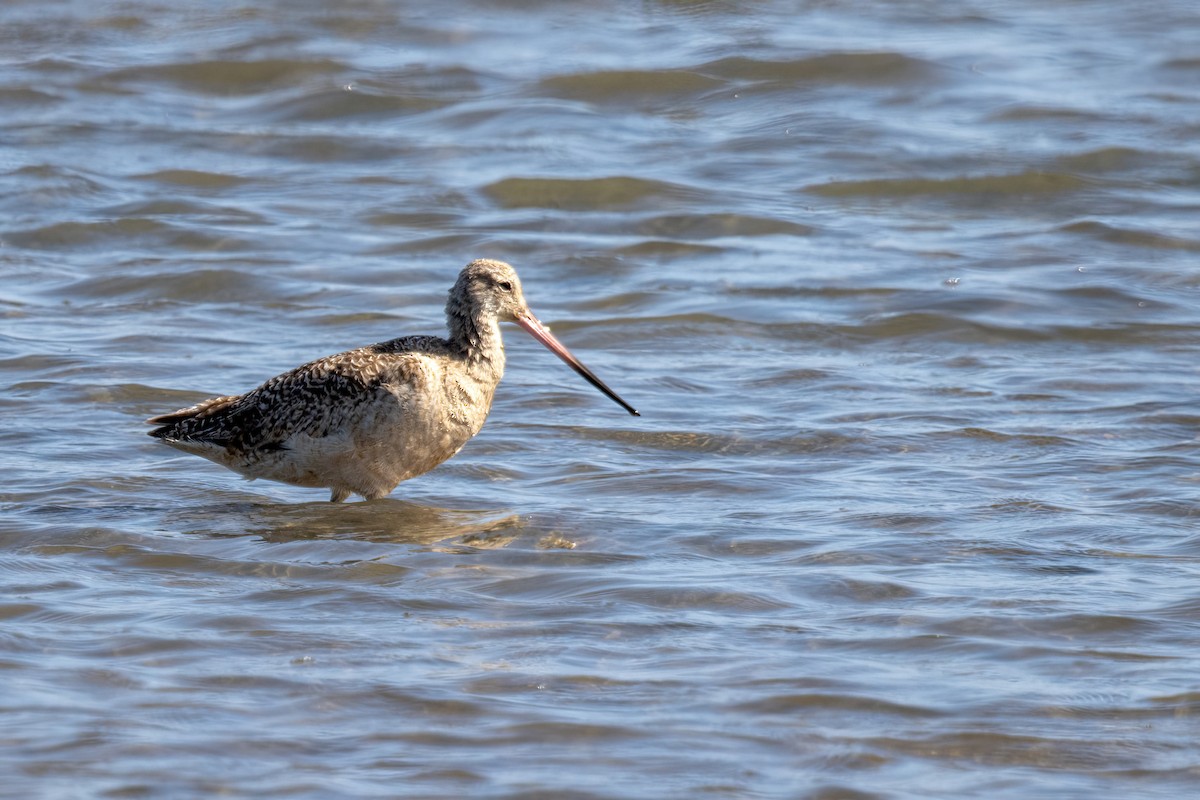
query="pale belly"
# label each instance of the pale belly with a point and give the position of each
(369, 457)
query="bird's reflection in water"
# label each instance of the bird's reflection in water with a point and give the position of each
(380, 521)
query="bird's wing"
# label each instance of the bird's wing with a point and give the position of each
(317, 399)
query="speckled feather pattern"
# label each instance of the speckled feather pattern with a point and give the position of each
(364, 420)
(314, 399)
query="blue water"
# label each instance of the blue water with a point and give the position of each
(906, 294)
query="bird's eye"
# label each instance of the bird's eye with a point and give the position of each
(505, 285)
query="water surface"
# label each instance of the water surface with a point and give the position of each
(907, 295)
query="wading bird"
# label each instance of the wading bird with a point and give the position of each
(363, 421)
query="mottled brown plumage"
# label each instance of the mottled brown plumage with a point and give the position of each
(363, 421)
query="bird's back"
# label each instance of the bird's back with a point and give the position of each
(359, 421)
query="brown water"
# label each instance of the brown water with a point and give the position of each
(909, 298)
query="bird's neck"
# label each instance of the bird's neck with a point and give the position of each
(476, 342)
(477, 337)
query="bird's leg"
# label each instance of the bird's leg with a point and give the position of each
(338, 495)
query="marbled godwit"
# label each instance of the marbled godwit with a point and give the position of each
(364, 420)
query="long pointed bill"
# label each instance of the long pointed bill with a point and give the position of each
(540, 332)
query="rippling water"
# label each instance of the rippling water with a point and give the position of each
(907, 293)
